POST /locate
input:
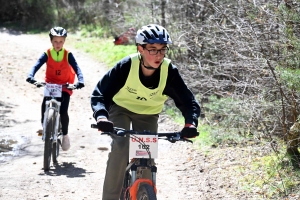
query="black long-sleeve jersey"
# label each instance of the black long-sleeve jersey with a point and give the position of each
(115, 79)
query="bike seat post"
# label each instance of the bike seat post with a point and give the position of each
(133, 173)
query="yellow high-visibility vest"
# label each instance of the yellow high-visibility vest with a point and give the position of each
(134, 96)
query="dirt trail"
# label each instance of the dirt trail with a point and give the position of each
(183, 171)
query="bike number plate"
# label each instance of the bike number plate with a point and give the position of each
(52, 90)
(138, 146)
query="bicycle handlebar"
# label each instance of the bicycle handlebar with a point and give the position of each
(169, 136)
(68, 86)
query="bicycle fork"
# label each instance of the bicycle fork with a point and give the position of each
(138, 180)
(143, 163)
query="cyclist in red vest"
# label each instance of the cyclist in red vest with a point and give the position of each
(132, 94)
(61, 67)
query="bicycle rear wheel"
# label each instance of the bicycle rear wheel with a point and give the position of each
(146, 192)
(49, 131)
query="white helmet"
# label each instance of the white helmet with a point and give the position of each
(152, 33)
(58, 31)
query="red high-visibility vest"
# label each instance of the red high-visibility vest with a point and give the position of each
(59, 72)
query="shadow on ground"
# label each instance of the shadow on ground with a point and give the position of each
(5, 110)
(67, 169)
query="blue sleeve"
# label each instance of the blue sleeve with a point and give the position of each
(76, 68)
(42, 60)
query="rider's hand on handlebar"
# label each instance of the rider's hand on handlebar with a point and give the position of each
(79, 85)
(104, 125)
(30, 80)
(189, 131)
(39, 84)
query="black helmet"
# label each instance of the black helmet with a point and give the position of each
(57, 31)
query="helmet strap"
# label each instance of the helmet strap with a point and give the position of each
(142, 62)
(147, 67)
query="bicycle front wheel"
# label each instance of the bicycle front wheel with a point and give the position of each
(55, 152)
(55, 148)
(146, 192)
(49, 131)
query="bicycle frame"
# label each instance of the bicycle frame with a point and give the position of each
(135, 186)
(52, 124)
(54, 104)
(136, 167)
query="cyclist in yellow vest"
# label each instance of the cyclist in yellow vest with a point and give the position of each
(132, 94)
(61, 69)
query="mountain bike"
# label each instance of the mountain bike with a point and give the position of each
(52, 131)
(143, 149)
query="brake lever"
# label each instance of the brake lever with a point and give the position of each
(186, 140)
(173, 139)
(39, 84)
(71, 87)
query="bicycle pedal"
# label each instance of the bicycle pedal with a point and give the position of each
(40, 132)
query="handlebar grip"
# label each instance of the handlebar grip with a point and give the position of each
(94, 126)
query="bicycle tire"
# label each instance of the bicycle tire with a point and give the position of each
(55, 152)
(56, 145)
(146, 192)
(126, 183)
(49, 131)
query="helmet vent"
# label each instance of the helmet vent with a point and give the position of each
(154, 33)
(147, 35)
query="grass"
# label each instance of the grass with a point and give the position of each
(103, 50)
(274, 176)
(204, 139)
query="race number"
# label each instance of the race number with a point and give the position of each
(142, 145)
(52, 90)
